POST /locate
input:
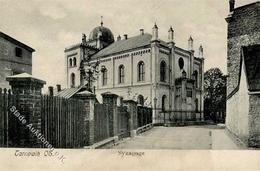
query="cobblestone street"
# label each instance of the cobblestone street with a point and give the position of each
(186, 138)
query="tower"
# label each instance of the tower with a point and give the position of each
(190, 48)
(190, 44)
(171, 35)
(155, 66)
(155, 33)
(201, 51)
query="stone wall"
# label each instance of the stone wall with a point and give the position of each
(238, 109)
(243, 30)
(254, 121)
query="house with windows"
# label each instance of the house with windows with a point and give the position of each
(144, 68)
(15, 58)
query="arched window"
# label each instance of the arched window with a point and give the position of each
(74, 62)
(70, 62)
(163, 71)
(104, 76)
(196, 78)
(121, 71)
(140, 100)
(163, 102)
(181, 63)
(72, 80)
(141, 71)
(196, 105)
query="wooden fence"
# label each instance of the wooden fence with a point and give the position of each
(63, 121)
(6, 99)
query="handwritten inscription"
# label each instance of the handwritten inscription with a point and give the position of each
(130, 154)
(46, 153)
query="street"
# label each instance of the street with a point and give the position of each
(185, 138)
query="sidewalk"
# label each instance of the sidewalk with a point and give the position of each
(221, 141)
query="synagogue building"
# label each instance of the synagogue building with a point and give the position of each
(144, 68)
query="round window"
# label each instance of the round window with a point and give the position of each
(181, 63)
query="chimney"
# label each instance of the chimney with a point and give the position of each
(118, 38)
(231, 5)
(50, 90)
(58, 87)
(142, 31)
(125, 35)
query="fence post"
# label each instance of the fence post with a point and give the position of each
(89, 122)
(111, 100)
(28, 89)
(132, 109)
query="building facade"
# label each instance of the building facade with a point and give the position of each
(15, 58)
(145, 68)
(243, 83)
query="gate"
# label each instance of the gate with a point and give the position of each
(123, 122)
(177, 117)
(101, 119)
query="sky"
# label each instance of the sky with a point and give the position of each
(51, 25)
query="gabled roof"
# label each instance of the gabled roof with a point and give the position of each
(69, 92)
(18, 43)
(129, 44)
(124, 45)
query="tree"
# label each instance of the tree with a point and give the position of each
(215, 84)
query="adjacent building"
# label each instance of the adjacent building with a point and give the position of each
(145, 68)
(243, 65)
(15, 58)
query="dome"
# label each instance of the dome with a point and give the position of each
(107, 36)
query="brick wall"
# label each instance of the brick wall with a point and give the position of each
(28, 90)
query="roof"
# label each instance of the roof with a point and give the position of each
(77, 45)
(26, 77)
(106, 34)
(124, 45)
(68, 92)
(9, 38)
(130, 43)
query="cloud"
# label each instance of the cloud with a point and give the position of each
(51, 25)
(54, 12)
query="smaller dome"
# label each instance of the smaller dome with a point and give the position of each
(107, 36)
